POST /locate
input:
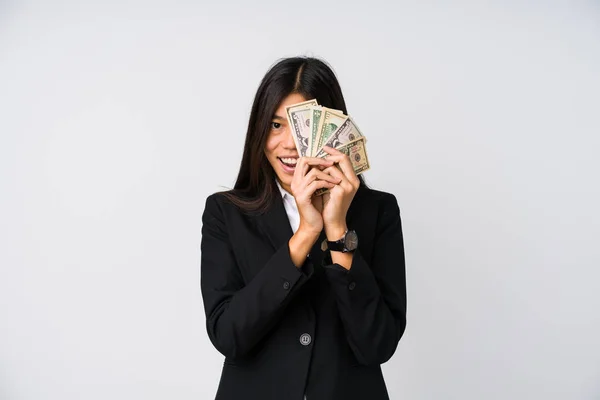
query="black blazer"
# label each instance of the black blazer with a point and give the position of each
(319, 329)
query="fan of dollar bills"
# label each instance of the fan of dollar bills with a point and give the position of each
(314, 126)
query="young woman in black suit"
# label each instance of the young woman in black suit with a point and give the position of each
(294, 318)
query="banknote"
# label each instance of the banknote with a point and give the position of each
(298, 116)
(315, 121)
(329, 123)
(357, 153)
(313, 126)
(347, 132)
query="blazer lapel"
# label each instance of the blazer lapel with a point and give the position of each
(275, 223)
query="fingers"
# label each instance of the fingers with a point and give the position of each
(308, 170)
(338, 175)
(343, 161)
(331, 150)
(336, 172)
(314, 185)
(315, 174)
(345, 165)
(306, 162)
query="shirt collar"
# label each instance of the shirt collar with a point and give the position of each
(282, 190)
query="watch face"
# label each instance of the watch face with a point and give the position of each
(351, 240)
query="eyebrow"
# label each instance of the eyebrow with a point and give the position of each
(278, 117)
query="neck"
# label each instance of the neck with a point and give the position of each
(285, 187)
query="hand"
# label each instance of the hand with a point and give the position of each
(337, 202)
(309, 177)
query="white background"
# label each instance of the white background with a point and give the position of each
(118, 120)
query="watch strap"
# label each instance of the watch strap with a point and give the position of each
(338, 245)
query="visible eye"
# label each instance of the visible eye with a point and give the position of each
(275, 125)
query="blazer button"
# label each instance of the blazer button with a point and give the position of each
(352, 285)
(286, 285)
(305, 339)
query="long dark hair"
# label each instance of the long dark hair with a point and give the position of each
(312, 78)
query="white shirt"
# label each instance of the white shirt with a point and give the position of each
(291, 209)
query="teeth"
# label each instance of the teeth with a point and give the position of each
(289, 160)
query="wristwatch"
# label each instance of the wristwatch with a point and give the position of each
(346, 244)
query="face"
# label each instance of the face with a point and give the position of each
(280, 148)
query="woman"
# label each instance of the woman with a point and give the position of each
(295, 321)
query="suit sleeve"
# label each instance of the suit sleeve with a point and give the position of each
(239, 315)
(372, 298)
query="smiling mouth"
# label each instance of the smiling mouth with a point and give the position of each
(288, 161)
